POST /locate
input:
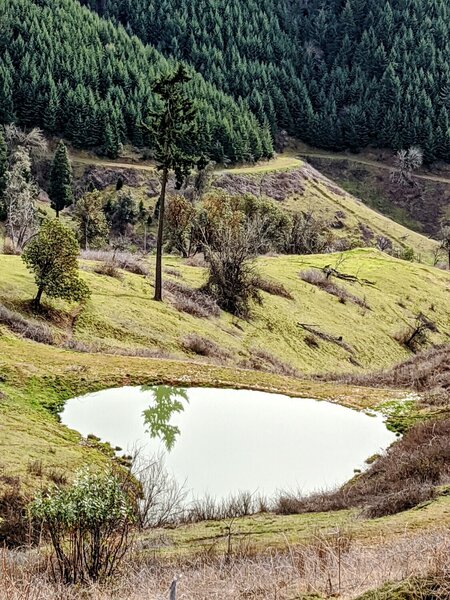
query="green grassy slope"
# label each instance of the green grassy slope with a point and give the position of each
(122, 315)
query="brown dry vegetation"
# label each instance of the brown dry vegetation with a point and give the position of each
(329, 563)
(27, 328)
(319, 279)
(425, 371)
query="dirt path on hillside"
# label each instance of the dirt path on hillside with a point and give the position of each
(280, 162)
(370, 163)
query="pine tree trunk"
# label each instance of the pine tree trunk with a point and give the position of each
(159, 242)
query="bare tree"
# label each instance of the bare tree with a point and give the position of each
(230, 255)
(163, 498)
(34, 140)
(20, 197)
(445, 241)
(406, 162)
(309, 234)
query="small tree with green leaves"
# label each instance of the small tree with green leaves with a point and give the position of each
(89, 524)
(52, 255)
(61, 180)
(174, 134)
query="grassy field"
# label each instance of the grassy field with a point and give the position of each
(121, 317)
(121, 314)
(36, 378)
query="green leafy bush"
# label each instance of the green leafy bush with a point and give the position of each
(89, 524)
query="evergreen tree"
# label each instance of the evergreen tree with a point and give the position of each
(61, 180)
(3, 168)
(175, 134)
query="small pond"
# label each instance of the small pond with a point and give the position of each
(221, 441)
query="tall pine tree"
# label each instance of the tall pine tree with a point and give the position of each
(3, 167)
(175, 135)
(61, 180)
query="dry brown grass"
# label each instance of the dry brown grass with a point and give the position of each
(195, 302)
(427, 371)
(121, 260)
(273, 288)
(27, 328)
(332, 563)
(261, 360)
(203, 347)
(109, 269)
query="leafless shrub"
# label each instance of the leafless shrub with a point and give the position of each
(425, 371)
(261, 360)
(437, 397)
(79, 346)
(122, 260)
(414, 336)
(238, 505)
(33, 140)
(173, 272)
(27, 328)
(406, 162)
(198, 260)
(15, 530)
(162, 499)
(397, 501)
(309, 235)
(232, 274)
(109, 269)
(195, 302)
(35, 468)
(383, 243)
(203, 347)
(319, 279)
(273, 287)
(57, 477)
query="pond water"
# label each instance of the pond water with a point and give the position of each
(221, 441)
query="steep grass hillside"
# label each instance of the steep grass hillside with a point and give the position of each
(331, 326)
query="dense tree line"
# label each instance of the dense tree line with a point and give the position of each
(64, 69)
(335, 73)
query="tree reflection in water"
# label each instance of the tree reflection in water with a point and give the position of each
(167, 401)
